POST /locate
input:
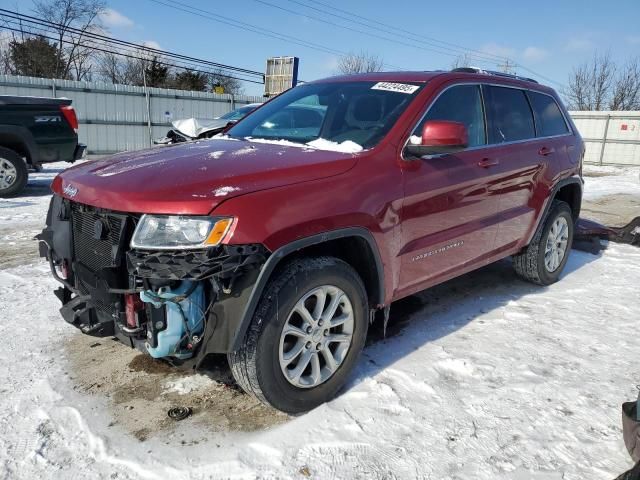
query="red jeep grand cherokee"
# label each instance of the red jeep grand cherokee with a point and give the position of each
(277, 242)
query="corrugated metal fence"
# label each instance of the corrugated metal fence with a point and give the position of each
(114, 118)
(611, 138)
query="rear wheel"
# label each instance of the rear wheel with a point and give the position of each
(305, 336)
(13, 173)
(543, 260)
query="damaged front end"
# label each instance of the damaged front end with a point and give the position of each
(173, 303)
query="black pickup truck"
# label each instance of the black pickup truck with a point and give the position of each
(34, 131)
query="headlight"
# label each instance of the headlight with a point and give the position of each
(176, 232)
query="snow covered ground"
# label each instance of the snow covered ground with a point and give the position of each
(609, 180)
(484, 377)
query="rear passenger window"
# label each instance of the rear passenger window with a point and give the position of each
(509, 115)
(549, 119)
(462, 104)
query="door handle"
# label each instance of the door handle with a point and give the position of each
(544, 151)
(488, 162)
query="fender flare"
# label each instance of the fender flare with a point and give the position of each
(21, 135)
(276, 257)
(554, 191)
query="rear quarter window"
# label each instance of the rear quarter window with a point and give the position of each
(509, 115)
(549, 119)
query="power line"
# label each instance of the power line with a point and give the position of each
(252, 28)
(389, 39)
(281, 36)
(126, 55)
(243, 25)
(122, 43)
(444, 49)
(428, 39)
(35, 20)
(395, 30)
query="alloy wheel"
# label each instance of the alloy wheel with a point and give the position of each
(556, 246)
(316, 336)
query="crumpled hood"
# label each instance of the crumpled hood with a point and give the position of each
(193, 127)
(193, 178)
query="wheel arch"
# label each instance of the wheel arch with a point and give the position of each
(19, 140)
(570, 192)
(569, 188)
(355, 245)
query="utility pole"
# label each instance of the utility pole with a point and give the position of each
(508, 66)
(147, 101)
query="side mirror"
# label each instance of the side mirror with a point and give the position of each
(439, 137)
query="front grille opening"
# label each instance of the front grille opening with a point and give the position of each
(99, 242)
(92, 251)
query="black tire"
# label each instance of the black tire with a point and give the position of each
(22, 175)
(530, 262)
(256, 366)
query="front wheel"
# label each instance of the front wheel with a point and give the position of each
(543, 260)
(305, 336)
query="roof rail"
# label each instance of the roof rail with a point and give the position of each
(492, 72)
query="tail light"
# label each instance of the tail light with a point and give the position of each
(70, 115)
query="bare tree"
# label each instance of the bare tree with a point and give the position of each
(83, 60)
(625, 94)
(590, 83)
(115, 68)
(5, 57)
(229, 84)
(362, 62)
(5, 61)
(73, 19)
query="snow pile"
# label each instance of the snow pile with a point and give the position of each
(224, 191)
(217, 154)
(244, 151)
(188, 384)
(319, 144)
(601, 181)
(269, 141)
(224, 136)
(345, 147)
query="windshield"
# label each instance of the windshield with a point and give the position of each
(238, 113)
(359, 112)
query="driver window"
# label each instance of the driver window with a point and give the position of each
(463, 104)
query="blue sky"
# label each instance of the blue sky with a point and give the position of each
(548, 37)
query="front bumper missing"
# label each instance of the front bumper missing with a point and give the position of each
(222, 262)
(94, 300)
(82, 314)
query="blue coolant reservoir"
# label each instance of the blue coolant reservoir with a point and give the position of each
(193, 309)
